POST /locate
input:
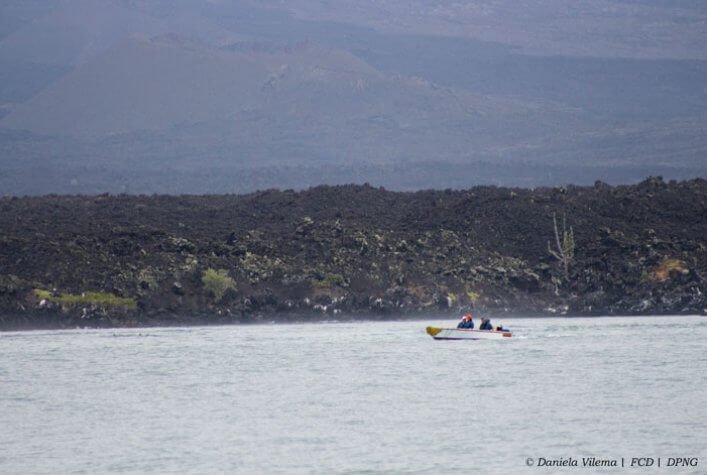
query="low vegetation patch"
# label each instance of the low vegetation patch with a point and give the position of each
(217, 282)
(329, 280)
(472, 296)
(104, 299)
(662, 272)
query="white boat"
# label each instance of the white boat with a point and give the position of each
(466, 334)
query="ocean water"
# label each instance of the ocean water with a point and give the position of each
(360, 397)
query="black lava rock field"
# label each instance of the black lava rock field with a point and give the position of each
(353, 252)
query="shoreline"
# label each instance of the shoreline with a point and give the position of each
(331, 321)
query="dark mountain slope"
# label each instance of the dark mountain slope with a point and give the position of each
(170, 82)
(192, 96)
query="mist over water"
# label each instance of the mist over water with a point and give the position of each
(362, 397)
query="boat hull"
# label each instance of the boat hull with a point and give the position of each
(466, 334)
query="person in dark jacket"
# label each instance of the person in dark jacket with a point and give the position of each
(462, 322)
(469, 322)
(485, 324)
(466, 322)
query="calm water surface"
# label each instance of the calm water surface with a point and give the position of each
(364, 397)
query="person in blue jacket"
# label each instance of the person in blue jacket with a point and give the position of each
(466, 322)
(485, 324)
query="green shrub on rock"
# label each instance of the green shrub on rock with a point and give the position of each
(102, 299)
(329, 281)
(217, 282)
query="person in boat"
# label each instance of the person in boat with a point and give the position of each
(466, 322)
(469, 322)
(462, 322)
(485, 324)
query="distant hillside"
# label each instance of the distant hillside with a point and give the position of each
(281, 106)
(172, 82)
(68, 32)
(600, 28)
(194, 96)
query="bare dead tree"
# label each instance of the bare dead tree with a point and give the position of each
(565, 245)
